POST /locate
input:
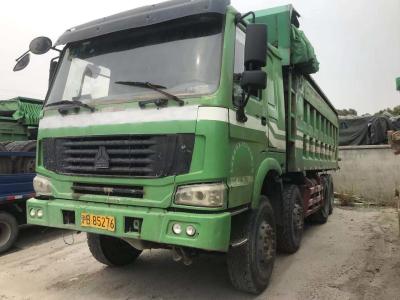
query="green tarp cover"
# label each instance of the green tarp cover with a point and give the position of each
(24, 110)
(302, 53)
(28, 113)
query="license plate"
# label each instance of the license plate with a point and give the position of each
(96, 221)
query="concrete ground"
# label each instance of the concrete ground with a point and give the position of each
(356, 255)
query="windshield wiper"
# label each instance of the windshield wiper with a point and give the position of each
(66, 104)
(154, 87)
(158, 102)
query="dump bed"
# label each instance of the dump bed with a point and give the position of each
(311, 120)
(283, 33)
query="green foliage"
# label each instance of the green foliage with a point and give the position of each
(347, 112)
(395, 111)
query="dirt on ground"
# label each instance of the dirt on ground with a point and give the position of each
(356, 255)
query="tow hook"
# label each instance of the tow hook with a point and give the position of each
(184, 255)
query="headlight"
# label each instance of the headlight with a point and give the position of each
(42, 186)
(32, 212)
(208, 195)
(39, 213)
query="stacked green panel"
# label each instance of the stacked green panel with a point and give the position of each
(17, 116)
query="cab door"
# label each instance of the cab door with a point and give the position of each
(248, 140)
(255, 109)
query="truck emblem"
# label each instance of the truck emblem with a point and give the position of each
(102, 160)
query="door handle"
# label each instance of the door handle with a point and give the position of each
(263, 121)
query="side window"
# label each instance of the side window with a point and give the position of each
(239, 51)
(239, 62)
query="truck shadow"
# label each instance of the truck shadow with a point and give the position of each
(156, 276)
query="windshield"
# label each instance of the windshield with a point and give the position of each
(183, 56)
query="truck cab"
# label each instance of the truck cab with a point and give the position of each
(167, 127)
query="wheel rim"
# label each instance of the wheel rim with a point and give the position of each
(5, 233)
(265, 248)
(297, 219)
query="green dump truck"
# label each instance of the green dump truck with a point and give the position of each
(19, 119)
(179, 126)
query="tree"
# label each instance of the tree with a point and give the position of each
(395, 111)
(347, 112)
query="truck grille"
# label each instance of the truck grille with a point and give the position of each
(108, 190)
(123, 155)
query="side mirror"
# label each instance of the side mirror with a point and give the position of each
(253, 80)
(255, 53)
(398, 84)
(40, 45)
(255, 58)
(22, 62)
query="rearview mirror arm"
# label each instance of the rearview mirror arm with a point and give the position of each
(239, 18)
(54, 48)
(25, 53)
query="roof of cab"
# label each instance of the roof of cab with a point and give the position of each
(143, 16)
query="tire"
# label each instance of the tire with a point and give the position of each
(23, 164)
(8, 231)
(290, 233)
(321, 216)
(111, 251)
(5, 162)
(250, 264)
(331, 194)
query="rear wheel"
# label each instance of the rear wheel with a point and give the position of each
(290, 233)
(250, 264)
(23, 164)
(321, 216)
(331, 195)
(8, 231)
(111, 251)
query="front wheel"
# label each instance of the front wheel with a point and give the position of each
(111, 251)
(250, 264)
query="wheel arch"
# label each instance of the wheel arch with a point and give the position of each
(266, 181)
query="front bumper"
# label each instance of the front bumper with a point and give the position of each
(213, 229)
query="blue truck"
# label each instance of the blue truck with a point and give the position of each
(19, 118)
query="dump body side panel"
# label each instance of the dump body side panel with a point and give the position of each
(312, 127)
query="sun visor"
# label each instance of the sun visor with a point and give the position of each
(143, 16)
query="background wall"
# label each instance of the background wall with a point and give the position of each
(372, 172)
